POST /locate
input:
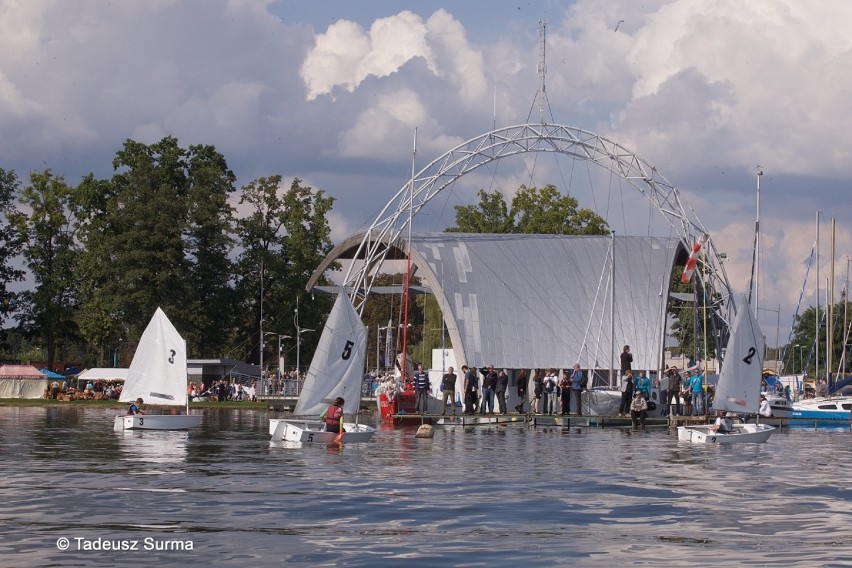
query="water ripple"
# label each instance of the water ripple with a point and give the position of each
(495, 496)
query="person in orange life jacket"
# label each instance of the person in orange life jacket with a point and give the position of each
(134, 407)
(333, 416)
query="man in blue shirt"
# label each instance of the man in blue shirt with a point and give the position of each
(578, 385)
(696, 381)
(421, 389)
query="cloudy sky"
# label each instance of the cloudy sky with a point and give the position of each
(332, 92)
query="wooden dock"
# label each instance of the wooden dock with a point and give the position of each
(543, 420)
(585, 420)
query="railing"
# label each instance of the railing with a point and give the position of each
(293, 387)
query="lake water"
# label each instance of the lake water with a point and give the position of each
(484, 496)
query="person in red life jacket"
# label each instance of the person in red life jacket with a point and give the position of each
(333, 416)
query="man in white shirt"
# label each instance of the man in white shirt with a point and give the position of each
(765, 409)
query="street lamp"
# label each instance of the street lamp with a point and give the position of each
(280, 362)
(299, 332)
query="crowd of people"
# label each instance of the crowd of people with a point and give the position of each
(222, 390)
(91, 390)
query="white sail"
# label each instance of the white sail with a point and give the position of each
(338, 363)
(739, 381)
(158, 371)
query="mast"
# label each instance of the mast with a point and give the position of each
(613, 352)
(261, 323)
(542, 67)
(816, 297)
(408, 265)
(829, 324)
(757, 251)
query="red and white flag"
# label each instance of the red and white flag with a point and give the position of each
(692, 261)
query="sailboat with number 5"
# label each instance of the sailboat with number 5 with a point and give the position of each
(335, 372)
(738, 390)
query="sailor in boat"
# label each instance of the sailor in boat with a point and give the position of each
(135, 407)
(332, 416)
(765, 408)
(723, 424)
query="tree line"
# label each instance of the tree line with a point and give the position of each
(96, 259)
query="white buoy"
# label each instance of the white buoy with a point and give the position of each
(425, 431)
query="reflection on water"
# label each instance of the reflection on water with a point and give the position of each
(152, 447)
(478, 495)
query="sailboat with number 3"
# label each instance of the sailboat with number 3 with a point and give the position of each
(158, 376)
(738, 390)
(336, 370)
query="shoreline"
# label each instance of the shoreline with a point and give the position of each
(21, 402)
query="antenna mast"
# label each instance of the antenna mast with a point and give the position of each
(542, 67)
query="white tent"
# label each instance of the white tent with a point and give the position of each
(21, 381)
(106, 374)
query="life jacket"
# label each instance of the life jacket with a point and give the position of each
(333, 414)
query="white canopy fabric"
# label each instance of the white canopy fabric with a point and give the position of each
(103, 374)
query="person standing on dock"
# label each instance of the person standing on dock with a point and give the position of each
(522, 390)
(696, 382)
(673, 378)
(500, 392)
(578, 384)
(627, 390)
(448, 389)
(686, 394)
(565, 392)
(489, 384)
(471, 385)
(626, 360)
(549, 385)
(538, 380)
(421, 388)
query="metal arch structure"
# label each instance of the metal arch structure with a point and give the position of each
(386, 231)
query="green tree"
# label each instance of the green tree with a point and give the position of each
(283, 239)
(11, 242)
(533, 211)
(51, 256)
(136, 255)
(210, 241)
(491, 215)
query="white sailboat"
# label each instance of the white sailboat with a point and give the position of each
(738, 390)
(158, 376)
(336, 370)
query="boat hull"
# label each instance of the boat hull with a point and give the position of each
(310, 431)
(157, 422)
(823, 408)
(742, 434)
